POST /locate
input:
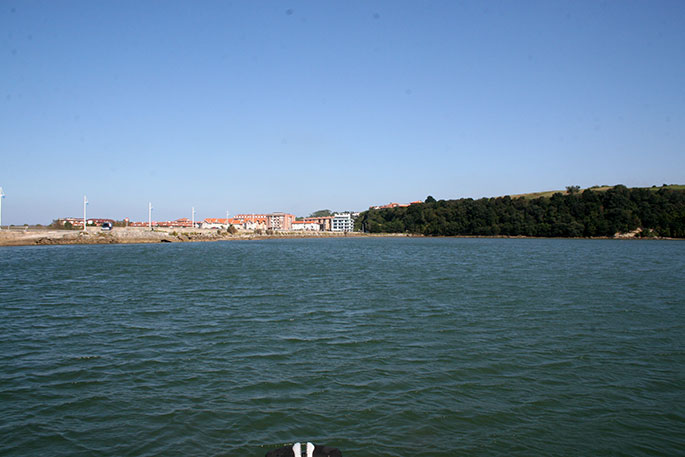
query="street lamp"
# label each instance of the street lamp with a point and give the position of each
(85, 202)
(2, 195)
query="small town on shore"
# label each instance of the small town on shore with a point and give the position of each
(320, 221)
(97, 230)
(278, 221)
(598, 211)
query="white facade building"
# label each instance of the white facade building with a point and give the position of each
(212, 225)
(342, 223)
(252, 225)
(305, 226)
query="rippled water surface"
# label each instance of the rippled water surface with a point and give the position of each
(380, 347)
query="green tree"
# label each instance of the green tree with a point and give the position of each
(321, 213)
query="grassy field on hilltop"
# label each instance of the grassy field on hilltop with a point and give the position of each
(549, 193)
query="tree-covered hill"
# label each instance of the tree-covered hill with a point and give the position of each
(658, 212)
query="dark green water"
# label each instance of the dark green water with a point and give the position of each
(380, 347)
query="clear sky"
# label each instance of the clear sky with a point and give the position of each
(262, 106)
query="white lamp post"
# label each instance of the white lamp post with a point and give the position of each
(85, 202)
(2, 195)
(149, 215)
(192, 221)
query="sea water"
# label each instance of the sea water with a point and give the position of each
(381, 347)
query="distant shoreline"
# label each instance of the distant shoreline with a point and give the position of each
(136, 235)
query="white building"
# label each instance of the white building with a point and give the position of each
(342, 223)
(251, 225)
(306, 226)
(212, 225)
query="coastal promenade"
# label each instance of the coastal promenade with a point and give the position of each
(133, 235)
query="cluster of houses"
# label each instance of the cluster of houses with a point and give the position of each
(77, 222)
(341, 222)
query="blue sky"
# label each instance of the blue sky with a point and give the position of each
(302, 105)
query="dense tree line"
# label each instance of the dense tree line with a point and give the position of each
(658, 212)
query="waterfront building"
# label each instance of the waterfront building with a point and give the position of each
(214, 223)
(242, 218)
(183, 222)
(273, 221)
(249, 221)
(78, 221)
(280, 221)
(305, 226)
(323, 221)
(248, 224)
(342, 223)
(74, 221)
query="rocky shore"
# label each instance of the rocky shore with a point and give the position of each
(137, 235)
(131, 235)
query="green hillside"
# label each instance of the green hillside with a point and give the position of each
(595, 212)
